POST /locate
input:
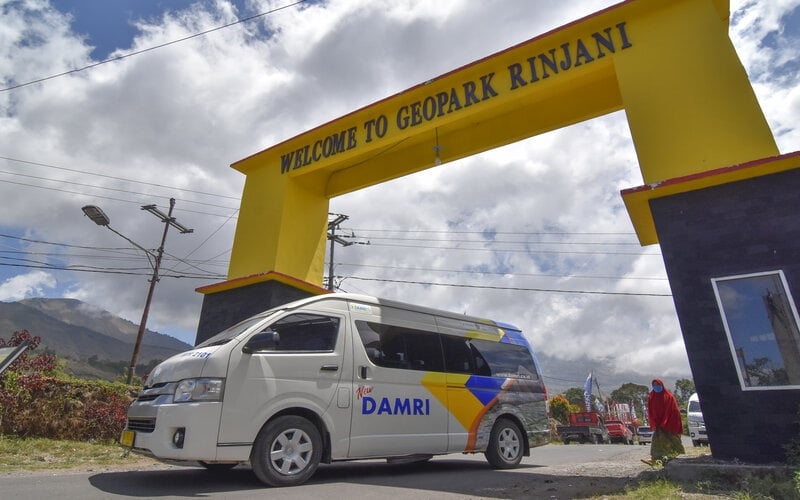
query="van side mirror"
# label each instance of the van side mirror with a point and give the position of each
(267, 340)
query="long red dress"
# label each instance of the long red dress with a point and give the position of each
(665, 420)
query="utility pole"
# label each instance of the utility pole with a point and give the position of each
(333, 225)
(168, 221)
(101, 219)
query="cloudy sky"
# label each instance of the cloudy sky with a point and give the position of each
(534, 233)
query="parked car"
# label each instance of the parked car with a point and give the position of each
(696, 422)
(584, 427)
(645, 434)
(619, 432)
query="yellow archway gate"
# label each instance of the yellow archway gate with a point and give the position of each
(668, 63)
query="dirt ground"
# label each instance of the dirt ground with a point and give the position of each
(608, 477)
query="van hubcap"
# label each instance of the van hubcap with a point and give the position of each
(291, 452)
(509, 444)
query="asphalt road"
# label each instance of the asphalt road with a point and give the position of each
(549, 469)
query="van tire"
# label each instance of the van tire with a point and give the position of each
(287, 451)
(506, 445)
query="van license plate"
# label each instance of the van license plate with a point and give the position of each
(127, 438)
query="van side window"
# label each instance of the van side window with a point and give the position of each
(398, 347)
(305, 332)
(506, 360)
(461, 357)
(487, 358)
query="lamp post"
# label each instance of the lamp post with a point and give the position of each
(99, 217)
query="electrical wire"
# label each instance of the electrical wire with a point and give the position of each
(148, 49)
(514, 288)
(93, 186)
(516, 274)
(116, 178)
(101, 197)
(523, 250)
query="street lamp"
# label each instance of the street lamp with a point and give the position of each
(96, 215)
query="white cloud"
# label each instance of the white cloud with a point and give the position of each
(23, 286)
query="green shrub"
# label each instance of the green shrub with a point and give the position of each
(35, 402)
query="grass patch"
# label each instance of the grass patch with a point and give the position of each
(31, 454)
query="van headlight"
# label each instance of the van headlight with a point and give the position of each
(199, 389)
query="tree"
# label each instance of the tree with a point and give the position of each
(632, 393)
(629, 392)
(684, 388)
(560, 408)
(575, 397)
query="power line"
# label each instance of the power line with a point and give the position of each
(453, 231)
(101, 197)
(498, 273)
(93, 186)
(87, 269)
(116, 178)
(404, 268)
(148, 49)
(123, 254)
(520, 242)
(519, 289)
(123, 257)
(524, 250)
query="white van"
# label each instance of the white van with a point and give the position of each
(343, 377)
(694, 419)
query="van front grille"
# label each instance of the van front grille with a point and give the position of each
(145, 425)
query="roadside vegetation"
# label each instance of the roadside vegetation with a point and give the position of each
(37, 399)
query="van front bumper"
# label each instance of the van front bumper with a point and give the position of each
(182, 431)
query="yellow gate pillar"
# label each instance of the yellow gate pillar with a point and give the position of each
(689, 103)
(282, 226)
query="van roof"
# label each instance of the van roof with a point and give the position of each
(368, 299)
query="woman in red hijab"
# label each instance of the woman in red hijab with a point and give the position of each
(665, 420)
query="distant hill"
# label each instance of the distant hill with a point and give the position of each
(81, 332)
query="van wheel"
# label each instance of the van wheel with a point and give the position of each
(505, 445)
(287, 451)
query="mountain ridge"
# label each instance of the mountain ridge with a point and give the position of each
(85, 334)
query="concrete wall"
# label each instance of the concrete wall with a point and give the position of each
(223, 309)
(738, 228)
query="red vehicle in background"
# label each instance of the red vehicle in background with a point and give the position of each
(619, 432)
(584, 427)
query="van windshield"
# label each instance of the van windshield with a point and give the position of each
(232, 332)
(694, 406)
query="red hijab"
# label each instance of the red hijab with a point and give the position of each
(663, 411)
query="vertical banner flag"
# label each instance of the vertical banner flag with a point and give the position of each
(587, 392)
